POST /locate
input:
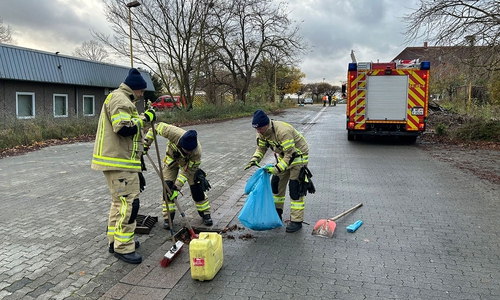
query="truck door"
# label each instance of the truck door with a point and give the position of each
(387, 97)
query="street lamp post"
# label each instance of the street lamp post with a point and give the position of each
(274, 84)
(130, 5)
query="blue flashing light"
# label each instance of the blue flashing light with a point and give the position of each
(352, 67)
(425, 65)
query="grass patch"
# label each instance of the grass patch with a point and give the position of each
(469, 122)
(32, 131)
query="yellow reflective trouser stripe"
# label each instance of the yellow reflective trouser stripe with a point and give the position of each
(182, 179)
(279, 199)
(123, 237)
(203, 206)
(171, 207)
(297, 205)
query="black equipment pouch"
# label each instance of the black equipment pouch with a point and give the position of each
(200, 177)
(305, 182)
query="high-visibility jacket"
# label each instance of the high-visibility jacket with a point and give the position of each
(188, 163)
(113, 152)
(286, 141)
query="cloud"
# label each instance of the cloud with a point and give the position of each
(373, 29)
(330, 28)
(58, 25)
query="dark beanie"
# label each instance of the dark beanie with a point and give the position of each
(188, 140)
(260, 119)
(134, 80)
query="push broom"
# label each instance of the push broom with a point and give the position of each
(177, 246)
(188, 225)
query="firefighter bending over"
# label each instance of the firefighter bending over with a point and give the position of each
(292, 155)
(181, 164)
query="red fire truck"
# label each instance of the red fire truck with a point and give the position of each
(387, 99)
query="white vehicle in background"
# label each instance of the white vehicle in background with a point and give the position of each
(308, 101)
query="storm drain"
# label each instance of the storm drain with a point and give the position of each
(145, 224)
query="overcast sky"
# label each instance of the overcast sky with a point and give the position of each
(372, 28)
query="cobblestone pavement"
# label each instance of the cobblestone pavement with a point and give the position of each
(430, 228)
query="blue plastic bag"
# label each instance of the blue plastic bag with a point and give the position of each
(258, 212)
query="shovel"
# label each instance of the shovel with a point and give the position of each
(326, 227)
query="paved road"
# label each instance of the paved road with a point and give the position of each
(430, 230)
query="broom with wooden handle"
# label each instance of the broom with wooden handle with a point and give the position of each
(177, 246)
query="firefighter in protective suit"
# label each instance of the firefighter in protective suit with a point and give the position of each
(292, 155)
(181, 164)
(118, 151)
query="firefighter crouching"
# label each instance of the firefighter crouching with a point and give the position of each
(181, 165)
(292, 155)
(118, 151)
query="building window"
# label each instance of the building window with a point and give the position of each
(88, 105)
(25, 105)
(60, 105)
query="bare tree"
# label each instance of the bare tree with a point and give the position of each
(92, 50)
(248, 31)
(167, 36)
(6, 33)
(457, 23)
(193, 43)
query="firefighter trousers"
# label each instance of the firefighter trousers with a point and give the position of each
(200, 198)
(297, 203)
(125, 190)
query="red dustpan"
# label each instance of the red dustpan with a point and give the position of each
(326, 227)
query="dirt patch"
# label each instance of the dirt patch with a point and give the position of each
(481, 158)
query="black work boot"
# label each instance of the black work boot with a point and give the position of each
(112, 246)
(166, 226)
(131, 258)
(293, 226)
(280, 213)
(207, 220)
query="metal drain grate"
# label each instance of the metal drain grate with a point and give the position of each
(145, 224)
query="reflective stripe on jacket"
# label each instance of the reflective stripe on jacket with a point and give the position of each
(188, 164)
(286, 141)
(111, 150)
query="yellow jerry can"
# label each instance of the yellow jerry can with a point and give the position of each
(206, 256)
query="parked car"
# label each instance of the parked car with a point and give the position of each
(166, 102)
(308, 101)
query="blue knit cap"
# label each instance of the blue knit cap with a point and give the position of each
(260, 119)
(189, 140)
(134, 80)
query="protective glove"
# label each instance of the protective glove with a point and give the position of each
(142, 182)
(270, 169)
(149, 115)
(146, 149)
(174, 195)
(251, 164)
